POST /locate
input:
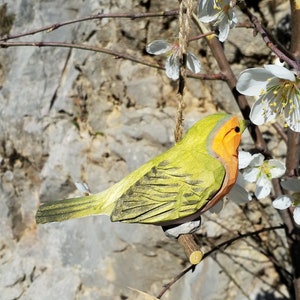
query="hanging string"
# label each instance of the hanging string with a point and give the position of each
(185, 15)
(191, 248)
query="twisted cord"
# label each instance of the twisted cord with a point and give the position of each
(185, 15)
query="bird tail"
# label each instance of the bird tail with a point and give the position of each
(61, 210)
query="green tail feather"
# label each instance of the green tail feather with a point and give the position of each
(61, 210)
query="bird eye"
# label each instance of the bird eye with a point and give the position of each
(237, 129)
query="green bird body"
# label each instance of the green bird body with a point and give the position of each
(172, 188)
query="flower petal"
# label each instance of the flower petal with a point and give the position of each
(193, 63)
(208, 19)
(282, 202)
(280, 72)
(252, 81)
(263, 187)
(158, 47)
(207, 11)
(257, 160)
(293, 121)
(188, 227)
(224, 28)
(296, 215)
(83, 188)
(251, 174)
(261, 112)
(277, 168)
(233, 18)
(172, 67)
(244, 159)
(291, 184)
(292, 110)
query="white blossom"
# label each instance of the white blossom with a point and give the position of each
(293, 200)
(278, 94)
(158, 47)
(296, 214)
(83, 188)
(220, 13)
(261, 172)
(282, 202)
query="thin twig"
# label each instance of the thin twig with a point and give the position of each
(200, 36)
(99, 16)
(244, 25)
(246, 269)
(293, 153)
(295, 22)
(224, 244)
(232, 278)
(280, 131)
(116, 54)
(281, 52)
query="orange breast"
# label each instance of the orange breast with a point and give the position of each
(225, 145)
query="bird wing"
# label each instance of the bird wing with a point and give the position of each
(170, 190)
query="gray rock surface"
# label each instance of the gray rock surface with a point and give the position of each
(71, 115)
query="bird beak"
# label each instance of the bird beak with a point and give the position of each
(244, 124)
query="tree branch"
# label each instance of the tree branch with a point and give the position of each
(225, 245)
(116, 54)
(218, 53)
(99, 16)
(280, 51)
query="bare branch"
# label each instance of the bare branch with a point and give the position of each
(224, 245)
(99, 16)
(225, 68)
(116, 54)
(295, 15)
(281, 52)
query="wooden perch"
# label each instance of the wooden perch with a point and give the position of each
(191, 248)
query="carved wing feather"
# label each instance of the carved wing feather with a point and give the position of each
(170, 190)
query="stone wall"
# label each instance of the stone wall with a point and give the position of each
(70, 115)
